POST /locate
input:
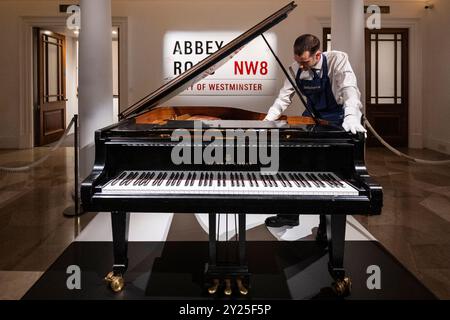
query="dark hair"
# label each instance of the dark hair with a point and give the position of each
(306, 42)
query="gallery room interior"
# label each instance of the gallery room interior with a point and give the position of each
(223, 150)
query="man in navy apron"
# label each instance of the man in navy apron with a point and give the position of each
(329, 84)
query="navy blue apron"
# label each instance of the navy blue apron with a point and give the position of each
(319, 95)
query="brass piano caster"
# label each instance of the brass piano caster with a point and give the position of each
(227, 290)
(116, 282)
(342, 287)
(242, 289)
(214, 287)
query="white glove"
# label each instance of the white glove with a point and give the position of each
(271, 116)
(353, 123)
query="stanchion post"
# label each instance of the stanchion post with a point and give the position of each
(74, 211)
(77, 191)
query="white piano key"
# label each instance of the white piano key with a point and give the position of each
(284, 183)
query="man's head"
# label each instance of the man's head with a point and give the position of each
(306, 51)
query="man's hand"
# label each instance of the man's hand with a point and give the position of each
(353, 123)
(271, 117)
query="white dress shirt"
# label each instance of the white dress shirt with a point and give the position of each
(343, 84)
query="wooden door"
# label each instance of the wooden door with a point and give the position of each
(52, 87)
(387, 78)
(387, 90)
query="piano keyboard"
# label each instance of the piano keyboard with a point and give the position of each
(228, 183)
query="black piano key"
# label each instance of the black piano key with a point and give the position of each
(148, 178)
(325, 178)
(254, 179)
(170, 178)
(188, 179)
(157, 179)
(298, 179)
(200, 180)
(338, 185)
(321, 184)
(143, 179)
(224, 179)
(281, 180)
(250, 179)
(175, 179)
(180, 178)
(124, 180)
(139, 179)
(263, 180)
(334, 179)
(218, 179)
(121, 176)
(287, 180)
(232, 179)
(273, 179)
(162, 179)
(319, 181)
(294, 179)
(133, 176)
(211, 175)
(194, 176)
(310, 177)
(304, 180)
(242, 179)
(268, 180)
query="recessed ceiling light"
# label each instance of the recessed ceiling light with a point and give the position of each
(114, 32)
(76, 32)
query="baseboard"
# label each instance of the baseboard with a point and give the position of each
(437, 145)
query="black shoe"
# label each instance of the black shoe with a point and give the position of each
(277, 222)
(321, 236)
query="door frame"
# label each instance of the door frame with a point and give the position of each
(26, 112)
(42, 77)
(415, 108)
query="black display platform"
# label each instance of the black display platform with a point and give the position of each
(174, 270)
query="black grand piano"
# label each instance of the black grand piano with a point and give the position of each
(321, 170)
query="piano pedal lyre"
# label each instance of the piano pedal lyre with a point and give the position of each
(214, 287)
(242, 289)
(116, 282)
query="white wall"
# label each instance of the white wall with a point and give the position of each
(149, 20)
(14, 128)
(436, 74)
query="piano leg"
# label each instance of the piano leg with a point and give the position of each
(212, 239)
(120, 223)
(336, 224)
(242, 253)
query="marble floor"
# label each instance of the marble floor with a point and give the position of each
(414, 225)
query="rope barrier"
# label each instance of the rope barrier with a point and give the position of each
(401, 154)
(38, 162)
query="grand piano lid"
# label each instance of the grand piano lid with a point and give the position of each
(205, 67)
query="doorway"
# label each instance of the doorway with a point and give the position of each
(50, 85)
(55, 81)
(387, 77)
